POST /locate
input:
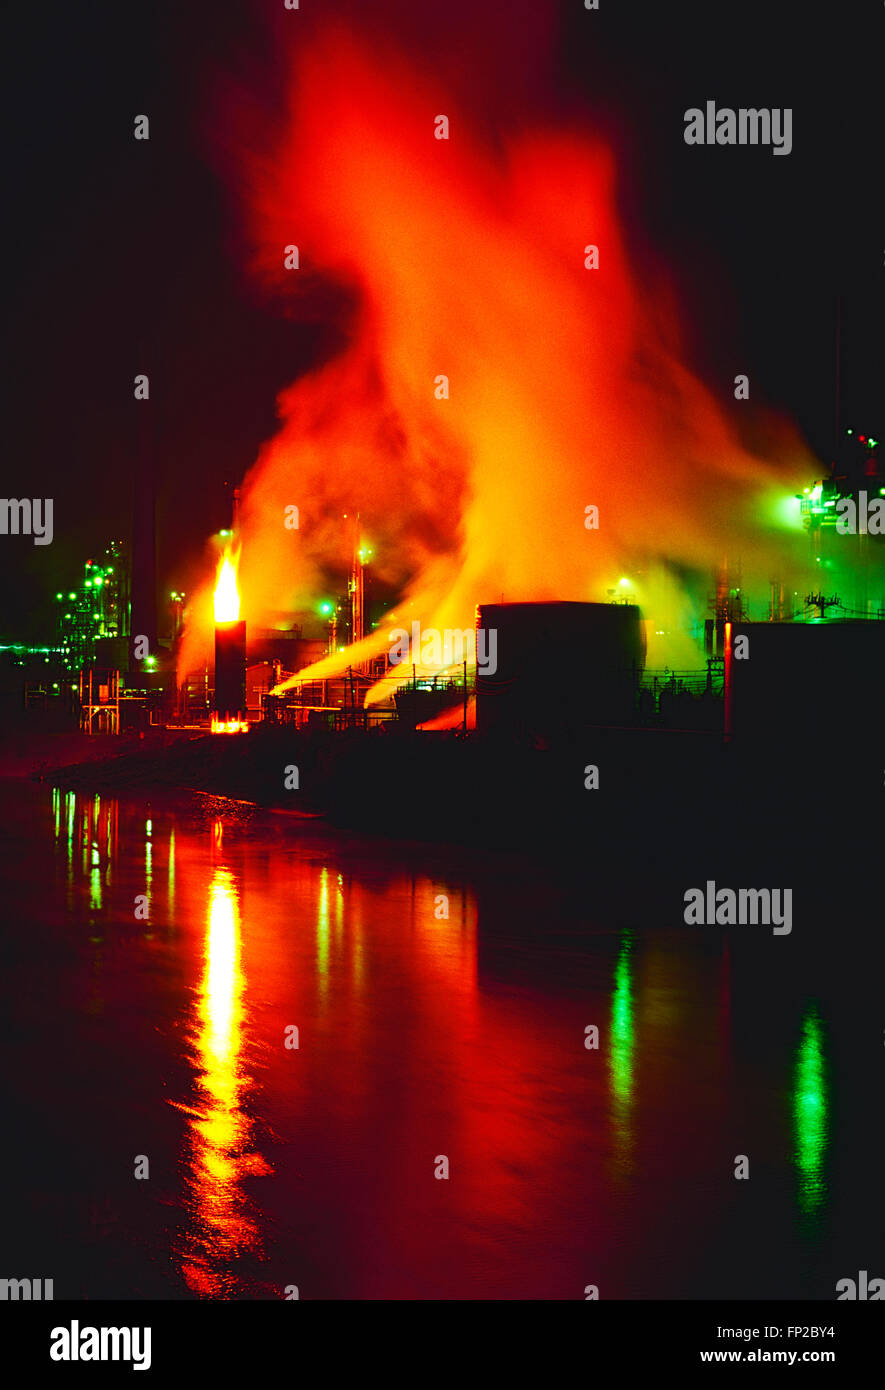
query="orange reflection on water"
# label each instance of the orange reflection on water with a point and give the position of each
(221, 1230)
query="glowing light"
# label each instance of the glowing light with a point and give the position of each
(219, 1127)
(228, 726)
(622, 1032)
(326, 607)
(227, 595)
(621, 1064)
(810, 1114)
(323, 927)
(172, 868)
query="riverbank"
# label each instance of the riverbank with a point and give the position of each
(627, 812)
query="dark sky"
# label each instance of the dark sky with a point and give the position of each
(123, 256)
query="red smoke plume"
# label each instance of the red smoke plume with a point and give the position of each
(465, 258)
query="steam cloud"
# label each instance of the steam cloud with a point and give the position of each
(465, 258)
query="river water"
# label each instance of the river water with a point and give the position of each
(158, 959)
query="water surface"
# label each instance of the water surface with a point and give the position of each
(157, 958)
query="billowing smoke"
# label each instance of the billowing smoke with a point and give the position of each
(491, 387)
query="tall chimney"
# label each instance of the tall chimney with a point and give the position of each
(144, 530)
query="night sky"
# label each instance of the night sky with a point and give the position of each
(125, 256)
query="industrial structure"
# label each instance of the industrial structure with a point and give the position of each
(95, 612)
(559, 666)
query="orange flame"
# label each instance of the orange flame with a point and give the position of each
(227, 595)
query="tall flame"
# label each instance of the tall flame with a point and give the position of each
(227, 595)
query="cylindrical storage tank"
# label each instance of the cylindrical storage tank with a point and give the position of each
(230, 670)
(551, 669)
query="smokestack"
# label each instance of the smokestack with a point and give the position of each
(144, 534)
(230, 674)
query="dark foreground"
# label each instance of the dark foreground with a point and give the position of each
(421, 1036)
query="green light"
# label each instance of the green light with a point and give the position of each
(70, 596)
(326, 607)
(58, 596)
(873, 443)
(849, 431)
(623, 1044)
(810, 1114)
(816, 492)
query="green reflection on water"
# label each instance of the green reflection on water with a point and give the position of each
(810, 1114)
(623, 1043)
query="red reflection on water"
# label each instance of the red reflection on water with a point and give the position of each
(221, 1228)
